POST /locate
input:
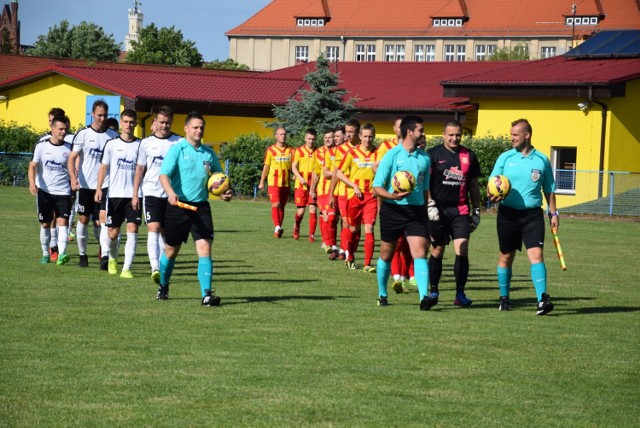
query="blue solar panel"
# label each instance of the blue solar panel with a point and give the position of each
(615, 44)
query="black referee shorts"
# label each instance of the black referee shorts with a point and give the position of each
(179, 222)
(516, 227)
(403, 220)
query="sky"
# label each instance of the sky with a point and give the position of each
(201, 21)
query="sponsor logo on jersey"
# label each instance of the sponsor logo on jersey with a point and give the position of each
(535, 175)
(126, 165)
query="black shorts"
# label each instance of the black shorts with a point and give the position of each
(86, 204)
(179, 222)
(119, 210)
(448, 228)
(519, 226)
(155, 209)
(403, 220)
(52, 206)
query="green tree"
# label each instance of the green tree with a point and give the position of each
(5, 42)
(84, 41)
(245, 156)
(227, 64)
(322, 106)
(163, 46)
(518, 53)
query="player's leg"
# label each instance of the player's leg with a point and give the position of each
(86, 207)
(103, 236)
(134, 219)
(154, 210)
(202, 234)
(313, 221)
(533, 239)
(369, 214)
(62, 212)
(300, 197)
(509, 240)
(114, 220)
(460, 232)
(274, 198)
(177, 226)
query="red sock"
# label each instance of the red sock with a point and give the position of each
(369, 244)
(343, 238)
(275, 216)
(356, 240)
(323, 229)
(298, 219)
(332, 230)
(280, 215)
(348, 241)
(313, 222)
(396, 262)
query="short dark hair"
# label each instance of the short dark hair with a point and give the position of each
(409, 123)
(60, 118)
(368, 126)
(353, 122)
(453, 123)
(56, 111)
(100, 103)
(526, 125)
(112, 122)
(340, 128)
(194, 115)
(311, 131)
(129, 113)
(163, 110)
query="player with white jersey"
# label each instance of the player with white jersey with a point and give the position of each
(150, 156)
(119, 164)
(88, 145)
(49, 182)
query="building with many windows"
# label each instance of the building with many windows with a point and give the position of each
(288, 32)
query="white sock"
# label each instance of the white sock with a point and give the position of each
(161, 243)
(112, 249)
(396, 277)
(45, 238)
(54, 236)
(153, 250)
(130, 249)
(63, 235)
(82, 235)
(96, 232)
(104, 240)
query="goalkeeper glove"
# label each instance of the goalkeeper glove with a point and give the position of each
(474, 220)
(432, 211)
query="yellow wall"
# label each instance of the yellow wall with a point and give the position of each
(29, 104)
(624, 135)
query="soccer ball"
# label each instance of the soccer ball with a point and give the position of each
(499, 186)
(403, 181)
(218, 184)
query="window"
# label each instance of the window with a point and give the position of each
(307, 22)
(460, 53)
(449, 53)
(333, 53)
(300, 22)
(394, 52)
(321, 22)
(491, 49)
(458, 22)
(418, 53)
(581, 20)
(430, 52)
(563, 160)
(593, 20)
(302, 54)
(547, 52)
(585, 20)
(360, 56)
(436, 22)
(442, 22)
(371, 53)
(481, 52)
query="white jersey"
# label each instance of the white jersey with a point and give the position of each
(152, 152)
(90, 143)
(121, 157)
(52, 175)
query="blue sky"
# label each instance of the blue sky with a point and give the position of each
(202, 21)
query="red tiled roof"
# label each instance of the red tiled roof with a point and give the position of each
(409, 86)
(412, 18)
(453, 9)
(556, 71)
(312, 9)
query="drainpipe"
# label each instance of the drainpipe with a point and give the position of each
(603, 135)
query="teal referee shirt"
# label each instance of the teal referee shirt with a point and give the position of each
(399, 159)
(189, 169)
(528, 175)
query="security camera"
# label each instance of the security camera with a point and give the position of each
(583, 106)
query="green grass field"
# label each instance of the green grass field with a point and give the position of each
(299, 341)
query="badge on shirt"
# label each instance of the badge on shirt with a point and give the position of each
(535, 175)
(207, 166)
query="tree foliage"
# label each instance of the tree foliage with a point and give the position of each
(322, 106)
(487, 149)
(6, 46)
(518, 53)
(84, 41)
(227, 64)
(16, 138)
(245, 156)
(164, 46)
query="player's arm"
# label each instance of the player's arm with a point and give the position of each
(265, 172)
(553, 213)
(71, 167)
(33, 165)
(382, 193)
(137, 181)
(102, 173)
(296, 173)
(166, 185)
(342, 177)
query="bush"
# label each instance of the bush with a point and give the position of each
(245, 155)
(16, 138)
(487, 149)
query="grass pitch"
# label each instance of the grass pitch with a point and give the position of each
(299, 341)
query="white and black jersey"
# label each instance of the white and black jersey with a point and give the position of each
(52, 175)
(152, 152)
(121, 156)
(90, 143)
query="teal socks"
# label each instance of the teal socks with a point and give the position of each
(382, 271)
(539, 278)
(504, 280)
(205, 271)
(421, 270)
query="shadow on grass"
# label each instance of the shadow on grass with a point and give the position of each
(227, 301)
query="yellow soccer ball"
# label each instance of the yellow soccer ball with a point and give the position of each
(499, 186)
(403, 181)
(217, 184)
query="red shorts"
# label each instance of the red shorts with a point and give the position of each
(323, 203)
(302, 199)
(279, 194)
(362, 211)
(342, 206)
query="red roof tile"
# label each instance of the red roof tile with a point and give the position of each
(356, 18)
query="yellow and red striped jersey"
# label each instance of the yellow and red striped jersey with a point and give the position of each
(358, 166)
(340, 153)
(279, 161)
(306, 163)
(385, 146)
(324, 157)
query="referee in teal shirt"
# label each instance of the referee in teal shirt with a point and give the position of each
(184, 174)
(520, 216)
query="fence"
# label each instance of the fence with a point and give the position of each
(611, 193)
